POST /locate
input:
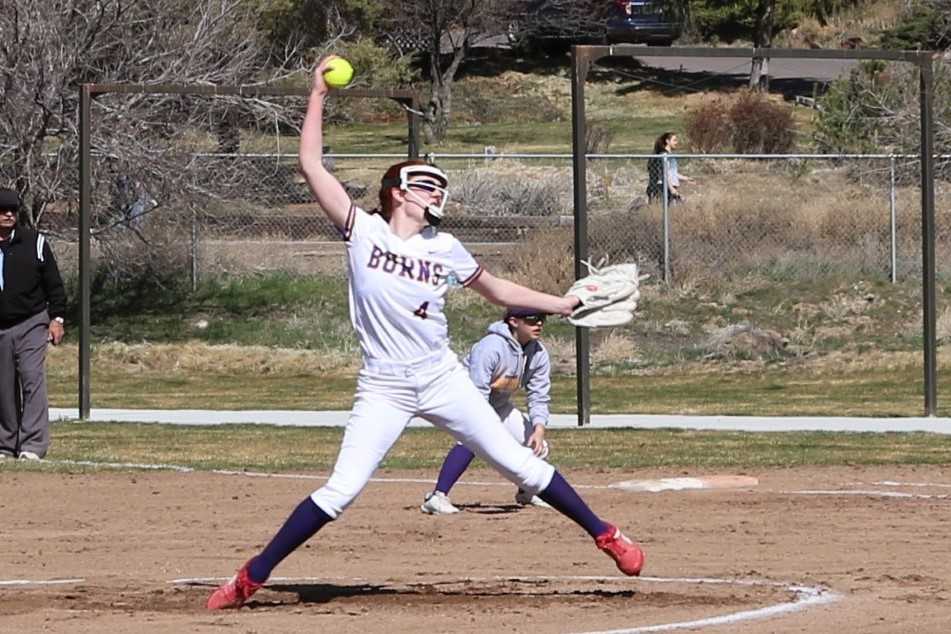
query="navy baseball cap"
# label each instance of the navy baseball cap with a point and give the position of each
(9, 199)
(524, 313)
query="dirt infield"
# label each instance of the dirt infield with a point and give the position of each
(806, 550)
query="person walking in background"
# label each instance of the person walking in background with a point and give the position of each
(399, 269)
(665, 144)
(32, 309)
(510, 356)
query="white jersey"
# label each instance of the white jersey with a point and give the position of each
(398, 287)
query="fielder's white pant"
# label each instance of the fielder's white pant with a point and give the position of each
(438, 389)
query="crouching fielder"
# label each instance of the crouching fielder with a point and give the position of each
(509, 357)
(399, 270)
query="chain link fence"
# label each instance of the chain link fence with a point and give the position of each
(794, 215)
(190, 209)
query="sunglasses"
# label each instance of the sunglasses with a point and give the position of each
(12, 212)
(531, 320)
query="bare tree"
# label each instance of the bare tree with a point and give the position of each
(763, 14)
(49, 48)
(445, 31)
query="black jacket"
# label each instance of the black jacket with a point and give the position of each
(31, 280)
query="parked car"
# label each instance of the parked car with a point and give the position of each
(655, 23)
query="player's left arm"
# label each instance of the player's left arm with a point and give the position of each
(502, 292)
(538, 396)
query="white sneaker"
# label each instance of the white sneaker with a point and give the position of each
(28, 455)
(524, 498)
(437, 503)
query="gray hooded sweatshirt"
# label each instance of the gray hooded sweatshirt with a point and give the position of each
(499, 366)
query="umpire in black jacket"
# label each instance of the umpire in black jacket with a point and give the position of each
(32, 305)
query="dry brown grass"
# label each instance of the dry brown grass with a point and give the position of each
(546, 261)
(608, 347)
(197, 358)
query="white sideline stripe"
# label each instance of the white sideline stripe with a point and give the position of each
(31, 582)
(870, 493)
(634, 486)
(627, 485)
(331, 418)
(287, 476)
(805, 596)
(892, 483)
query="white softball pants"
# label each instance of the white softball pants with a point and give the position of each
(438, 389)
(521, 428)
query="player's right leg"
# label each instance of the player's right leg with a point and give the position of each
(452, 402)
(453, 466)
(381, 411)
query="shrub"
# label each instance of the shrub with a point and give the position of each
(598, 139)
(876, 109)
(760, 126)
(139, 271)
(922, 27)
(499, 193)
(749, 123)
(545, 261)
(708, 127)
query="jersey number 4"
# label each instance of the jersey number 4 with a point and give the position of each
(421, 311)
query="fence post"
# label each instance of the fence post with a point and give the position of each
(894, 219)
(85, 254)
(666, 222)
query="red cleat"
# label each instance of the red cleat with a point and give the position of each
(235, 592)
(626, 554)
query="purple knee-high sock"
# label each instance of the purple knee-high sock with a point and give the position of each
(455, 464)
(565, 499)
(302, 524)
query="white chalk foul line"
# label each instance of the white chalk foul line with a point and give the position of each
(871, 493)
(33, 582)
(648, 486)
(804, 596)
(892, 483)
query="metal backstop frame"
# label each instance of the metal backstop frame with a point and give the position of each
(408, 99)
(583, 57)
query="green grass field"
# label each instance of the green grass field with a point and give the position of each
(282, 449)
(279, 341)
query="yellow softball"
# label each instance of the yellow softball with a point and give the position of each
(338, 73)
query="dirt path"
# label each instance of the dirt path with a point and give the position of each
(386, 568)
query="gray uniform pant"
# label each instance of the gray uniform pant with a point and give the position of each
(24, 408)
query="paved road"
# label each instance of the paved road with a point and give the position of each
(806, 69)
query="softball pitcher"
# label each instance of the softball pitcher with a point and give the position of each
(399, 270)
(509, 357)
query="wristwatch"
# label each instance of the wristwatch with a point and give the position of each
(59, 319)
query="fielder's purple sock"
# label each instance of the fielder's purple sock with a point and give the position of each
(565, 499)
(303, 523)
(455, 464)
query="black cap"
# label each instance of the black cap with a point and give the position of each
(9, 199)
(522, 313)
